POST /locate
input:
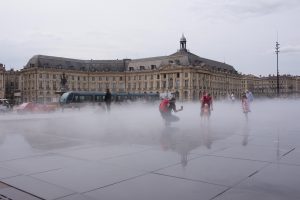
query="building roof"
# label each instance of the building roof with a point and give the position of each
(44, 61)
(180, 58)
(192, 59)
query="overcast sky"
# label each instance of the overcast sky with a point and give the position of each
(241, 33)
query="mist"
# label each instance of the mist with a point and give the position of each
(141, 124)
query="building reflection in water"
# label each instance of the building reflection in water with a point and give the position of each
(183, 142)
(30, 139)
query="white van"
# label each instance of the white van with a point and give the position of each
(4, 105)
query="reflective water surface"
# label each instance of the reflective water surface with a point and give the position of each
(130, 153)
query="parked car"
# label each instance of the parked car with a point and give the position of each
(31, 107)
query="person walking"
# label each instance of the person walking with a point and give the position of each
(232, 97)
(245, 105)
(107, 100)
(250, 98)
(206, 104)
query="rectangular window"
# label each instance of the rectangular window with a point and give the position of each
(186, 83)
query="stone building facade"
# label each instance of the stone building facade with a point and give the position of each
(266, 86)
(2, 81)
(12, 86)
(182, 73)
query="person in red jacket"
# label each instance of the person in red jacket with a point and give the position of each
(206, 103)
(166, 107)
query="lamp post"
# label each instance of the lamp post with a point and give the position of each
(36, 84)
(89, 68)
(277, 51)
(44, 84)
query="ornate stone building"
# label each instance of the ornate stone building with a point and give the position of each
(267, 86)
(41, 77)
(182, 73)
(12, 86)
(2, 81)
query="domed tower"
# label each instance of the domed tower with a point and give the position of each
(183, 43)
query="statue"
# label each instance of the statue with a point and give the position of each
(63, 81)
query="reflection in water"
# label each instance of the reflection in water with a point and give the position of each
(14, 141)
(206, 133)
(278, 149)
(14, 146)
(22, 135)
(172, 139)
(183, 143)
(245, 133)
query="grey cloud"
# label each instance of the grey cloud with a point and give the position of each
(240, 8)
(290, 49)
(260, 7)
(41, 35)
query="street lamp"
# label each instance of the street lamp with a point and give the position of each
(277, 51)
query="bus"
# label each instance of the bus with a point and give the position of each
(77, 99)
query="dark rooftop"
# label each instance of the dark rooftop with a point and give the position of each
(181, 58)
(76, 64)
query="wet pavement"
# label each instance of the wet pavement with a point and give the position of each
(87, 155)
